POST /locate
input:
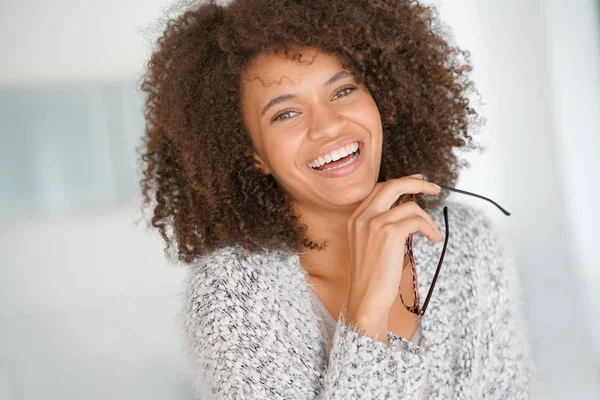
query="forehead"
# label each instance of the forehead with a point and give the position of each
(272, 71)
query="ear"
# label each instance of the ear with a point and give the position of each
(258, 162)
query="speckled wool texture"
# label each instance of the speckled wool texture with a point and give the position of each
(251, 331)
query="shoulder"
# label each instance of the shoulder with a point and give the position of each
(230, 276)
(486, 251)
(242, 318)
(471, 230)
(223, 290)
(222, 269)
(477, 250)
(222, 263)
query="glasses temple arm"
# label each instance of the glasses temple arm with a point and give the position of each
(437, 271)
(475, 195)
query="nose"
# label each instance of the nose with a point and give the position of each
(326, 122)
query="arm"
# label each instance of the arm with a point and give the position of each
(506, 360)
(366, 368)
(240, 348)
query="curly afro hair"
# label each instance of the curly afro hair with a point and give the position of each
(198, 175)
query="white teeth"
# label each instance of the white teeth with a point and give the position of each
(350, 161)
(334, 155)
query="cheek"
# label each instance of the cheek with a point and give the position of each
(282, 152)
(367, 115)
(373, 111)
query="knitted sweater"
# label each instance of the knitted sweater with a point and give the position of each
(329, 325)
(251, 331)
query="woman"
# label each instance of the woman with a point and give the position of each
(281, 147)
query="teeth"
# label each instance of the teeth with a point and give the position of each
(334, 155)
(350, 161)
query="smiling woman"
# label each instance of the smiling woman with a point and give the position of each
(279, 135)
(237, 80)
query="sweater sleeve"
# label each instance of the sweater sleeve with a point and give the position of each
(237, 351)
(361, 367)
(507, 362)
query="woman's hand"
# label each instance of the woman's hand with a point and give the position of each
(376, 238)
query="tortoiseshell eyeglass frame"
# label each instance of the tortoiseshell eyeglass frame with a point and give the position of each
(410, 259)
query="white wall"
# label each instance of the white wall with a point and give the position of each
(72, 40)
(89, 310)
(536, 66)
(573, 49)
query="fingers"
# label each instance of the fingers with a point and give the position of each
(410, 211)
(388, 193)
(412, 225)
(378, 186)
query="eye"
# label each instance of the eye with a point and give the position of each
(281, 114)
(351, 88)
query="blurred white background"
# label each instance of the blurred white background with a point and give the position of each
(88, 304)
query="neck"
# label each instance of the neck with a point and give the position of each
(332, 263)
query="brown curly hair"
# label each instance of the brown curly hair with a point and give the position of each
(197, 172)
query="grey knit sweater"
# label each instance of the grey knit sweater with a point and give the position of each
(252, 332)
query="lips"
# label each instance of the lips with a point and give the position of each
(334, 146)
(345, 170)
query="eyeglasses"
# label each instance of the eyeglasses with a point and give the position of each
(409, 259)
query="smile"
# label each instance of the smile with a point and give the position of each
(340, 167)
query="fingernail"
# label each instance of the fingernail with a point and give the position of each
(416, 176)
(437, 186)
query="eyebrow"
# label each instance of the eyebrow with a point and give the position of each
(285, 97)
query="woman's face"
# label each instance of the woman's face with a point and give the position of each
(321, 107)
